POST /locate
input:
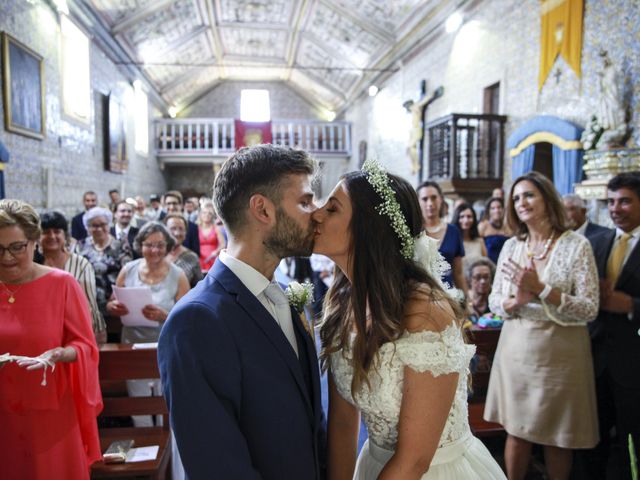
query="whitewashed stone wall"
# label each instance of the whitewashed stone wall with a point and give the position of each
(499, 41)
(70, 160)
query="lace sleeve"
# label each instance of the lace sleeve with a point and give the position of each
(500, 287)
(576, 275)
(438, 352)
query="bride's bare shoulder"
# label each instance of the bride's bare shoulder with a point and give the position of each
(427, 309)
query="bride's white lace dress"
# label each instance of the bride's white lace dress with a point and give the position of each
(460, 455)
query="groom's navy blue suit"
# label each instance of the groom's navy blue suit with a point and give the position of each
(242, 405)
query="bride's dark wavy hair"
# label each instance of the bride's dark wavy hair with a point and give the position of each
(383, 280)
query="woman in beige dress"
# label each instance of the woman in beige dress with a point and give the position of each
(541, 387)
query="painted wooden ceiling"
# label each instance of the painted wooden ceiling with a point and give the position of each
(329, 51)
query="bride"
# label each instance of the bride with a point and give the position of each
(391, 341)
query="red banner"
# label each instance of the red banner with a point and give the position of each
(252, 133)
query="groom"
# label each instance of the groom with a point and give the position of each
(239, 370)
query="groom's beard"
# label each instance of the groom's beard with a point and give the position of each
(288, 239)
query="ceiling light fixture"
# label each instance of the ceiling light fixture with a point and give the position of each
(373, 90)
(173, 111)
(453, 22)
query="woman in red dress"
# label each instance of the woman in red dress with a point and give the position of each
(47, 418)
(211, 238)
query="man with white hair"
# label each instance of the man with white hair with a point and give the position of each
(577, 220)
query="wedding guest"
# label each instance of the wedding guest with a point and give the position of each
(47, 417)
(577, 221)
(89, 200)
(53, 242)
(493, 227)
(392, 341)
(122, 228)
(480, 277)
(105, 254)
(168, 284)
(615, 335)
(114, 196)
(172, 202)
(210, 237)
(464, 217)
(180, 255)
(541, 387)
(139, 212)
(448, 236)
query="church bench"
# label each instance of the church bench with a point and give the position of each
(486, 341)
(120, 362)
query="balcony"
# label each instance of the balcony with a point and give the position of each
(465, 153)
(211, 140)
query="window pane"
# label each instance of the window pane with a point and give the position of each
(254, 106)
(76, 86)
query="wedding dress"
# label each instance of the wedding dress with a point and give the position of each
(460, 456)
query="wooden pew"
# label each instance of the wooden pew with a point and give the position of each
(120, 362)
(486, 341)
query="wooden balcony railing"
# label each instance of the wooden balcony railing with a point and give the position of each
(465, 146)
(216, 136)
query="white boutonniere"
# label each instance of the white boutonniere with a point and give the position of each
(299, 295)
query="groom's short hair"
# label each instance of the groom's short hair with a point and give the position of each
(258, 169)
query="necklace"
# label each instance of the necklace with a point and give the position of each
(545, 250)
(11, 293)
(435, 229)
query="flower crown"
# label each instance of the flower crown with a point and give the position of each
(390, 207)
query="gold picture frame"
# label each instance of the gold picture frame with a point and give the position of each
(23, 89)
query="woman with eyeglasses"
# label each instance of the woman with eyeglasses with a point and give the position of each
(49, 391)
(54, 242)
(168, 284)
(105, 254)
(480, 274)
(180, 255)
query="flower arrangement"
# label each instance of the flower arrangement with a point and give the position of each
(592, 133)
(299, 295)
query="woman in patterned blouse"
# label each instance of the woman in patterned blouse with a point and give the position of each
(53, 241)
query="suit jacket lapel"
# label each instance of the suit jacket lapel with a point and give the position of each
(602, 256)
(264, 321)
(310, 347)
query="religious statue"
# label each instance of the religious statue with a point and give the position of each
(611, 109)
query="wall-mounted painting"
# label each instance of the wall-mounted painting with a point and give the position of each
(23, 82)
(115, 134)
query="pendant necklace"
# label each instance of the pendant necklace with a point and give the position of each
(545, 250)
(11, 293)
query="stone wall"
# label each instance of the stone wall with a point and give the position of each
(224, 101)
(499, 42)
(54, 172)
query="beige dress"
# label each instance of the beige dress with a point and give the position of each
(541, 387)
(472, 250)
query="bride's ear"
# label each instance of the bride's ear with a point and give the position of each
(261, 209)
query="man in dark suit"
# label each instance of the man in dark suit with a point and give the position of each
(90, 200)
(616, 332)
(173, 203)
(122, 229)
(577, 220)
(239, 369)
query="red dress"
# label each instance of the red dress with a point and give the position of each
(48, 432)
(208, 244)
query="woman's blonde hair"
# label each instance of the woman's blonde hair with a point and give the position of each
(20, 214)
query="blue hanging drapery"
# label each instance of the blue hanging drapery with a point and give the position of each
(523, 162)
(567, 169)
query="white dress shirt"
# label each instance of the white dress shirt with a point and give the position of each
(257, 283)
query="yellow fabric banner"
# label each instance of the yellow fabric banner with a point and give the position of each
(561, 33)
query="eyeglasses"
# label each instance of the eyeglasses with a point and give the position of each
(97, 226)
(15, 249)
(478, 278)
(156, 246)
